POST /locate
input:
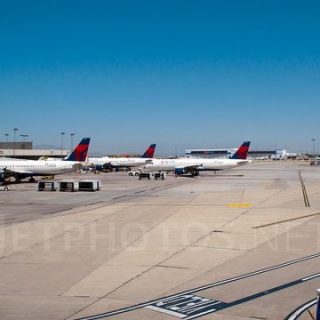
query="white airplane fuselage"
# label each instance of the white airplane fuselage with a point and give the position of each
(119, 162)
(198, 163)
(38, 167)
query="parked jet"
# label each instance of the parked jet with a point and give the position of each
(123, 162)
(21, 169)
(195, 165)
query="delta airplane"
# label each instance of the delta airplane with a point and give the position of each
(21, 169)
(123, 162)
(195, 165)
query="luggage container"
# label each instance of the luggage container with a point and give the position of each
(159, 175)
(70, 186)
(144, 175)
(48, 186)
(89, 185)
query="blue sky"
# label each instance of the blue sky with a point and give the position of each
(177, 73)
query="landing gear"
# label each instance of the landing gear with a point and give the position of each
(195, 173)
(32, 180)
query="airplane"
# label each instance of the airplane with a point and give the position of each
(21, 169)
(123, 162)
(195, 165)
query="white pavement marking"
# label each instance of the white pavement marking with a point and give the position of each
(169, 312)
(311, 277)
(211, 285)
(302, 309)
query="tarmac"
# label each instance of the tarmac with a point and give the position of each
(239, 244)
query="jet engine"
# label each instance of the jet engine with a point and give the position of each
(179, 171)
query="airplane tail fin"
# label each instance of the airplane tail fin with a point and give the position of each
(242, 151)
(80, 152)
(149, 152)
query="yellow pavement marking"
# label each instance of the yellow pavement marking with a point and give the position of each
(239, 205)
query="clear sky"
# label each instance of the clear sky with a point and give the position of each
(180, 74)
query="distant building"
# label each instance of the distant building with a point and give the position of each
(227, 153)
(24, 150)
(210, 153)
(17, 145)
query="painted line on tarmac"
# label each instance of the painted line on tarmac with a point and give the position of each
(299, 311)
(197, 289)
(240, 205)
(192, 307)
(275, 289)
(287, 220)
(304, 191)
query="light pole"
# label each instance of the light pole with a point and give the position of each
(24, 136)
(71, 139)
(313, 146)
(62, 134)
(7, 137)
(14, 141)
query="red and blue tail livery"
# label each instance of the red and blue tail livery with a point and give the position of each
(80, 152)
(149, 152)
(242, 152)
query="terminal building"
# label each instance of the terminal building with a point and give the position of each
(24, 150)
(227, 153)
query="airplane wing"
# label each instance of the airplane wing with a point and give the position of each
(10, 172)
